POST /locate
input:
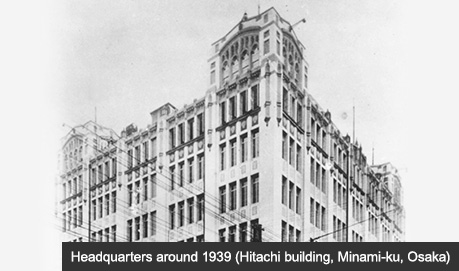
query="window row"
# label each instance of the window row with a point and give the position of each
(72, 218)
(186, 131)
(291, 107)
(186, 212)
(294, 235)
(356, 237)
(318, 176)
(199, 238)
(228, 194)
(318, 134)
(104, 235)
(142, 190)
(72, 186)
(229, 109)
(142, 152)
(244, 232)
(317, 215)
(339, 230)
(291, 151)
(187, 171)
(373, 224)
(291, 195)
(231, 67)
(239, 150)
(142, 226)
(103, 171)
(340, 157)
(104, 205)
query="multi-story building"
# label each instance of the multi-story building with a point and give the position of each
(256, 151)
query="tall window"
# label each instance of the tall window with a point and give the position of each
(254, 97)
(222, 156)
(243, 102)
(291, 194)
(153, 223)
(114, 202)
(200, 210)
(107, 204)
(190, 202)
(255, 144)
(114, 167)
(284, 145)
(233, 195)
(223, 112)
(172, 216)
(298, 200)
(292, 152)
(137, 155)
(243, 232)
(266, 46)
(181, 173)
(137, 192)
(190, 170)
(153, 147)
(298, 158)
(145, 151)
(243, 148)
(172, 177)
(284, 191)
(222, 192)
(200, 167)
(137, 228)
(299, 115)
(181, 134)
(129, 230)
(145, 226)
(255, 189)
(200, 124)
(107, 171)
(191, 128)
(285, 100)
(181, 213)
(233, 153)
(232, 234)
(145, 188)
(232, 107)
(153, 185)
(244, 192)
(172, 138)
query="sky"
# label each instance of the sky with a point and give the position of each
(394, 60)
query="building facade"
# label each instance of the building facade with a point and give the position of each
(255, 152)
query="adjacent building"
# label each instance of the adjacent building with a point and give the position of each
(255, 152)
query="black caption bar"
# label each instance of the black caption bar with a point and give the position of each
(246, 256)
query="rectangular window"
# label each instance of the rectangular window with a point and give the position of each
(284, 145)
(101, 173)
(298, 200)
(292, 106)
(222, 156)
(137, 192)
(114, 202)
(190, 202)
(266, 46)
(243, 148)
(172, 178)
(153, 147)
(292, 152)
(145, 188)
(311, 211)
(232, 108)
(145, 226)
(284, 191)
(222, 195)
(232, 234)
(291, 234)
(298, 158)
(254, 96)
(101, 207)
(153, 185)
(191, 128)
(291, 195)
(114, 163)
(233, 196)
(223, 113)
(233, 153)
(172, 216)
(114, 233)
(322, 227)
(255, 188)
(299, 115)
(318, 218)
(107, 204)
(137, 155)
(153, 223)
(172, 138)
(200, 210)
(285, 100)
(222, 235)
(212, 77)
(284, 232)
(145, 151)
(94, 209)
(181, 134)
(190, 170)
(181, 213)
(137, 228)
(324, 180)
(243, 187)
(243, 102)
(80, 183)
(278, 47)
(200, 124)
(80, 216)
(129, 230)
(181, 172)
(255, 144)
(243, 232)
(200, 167)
